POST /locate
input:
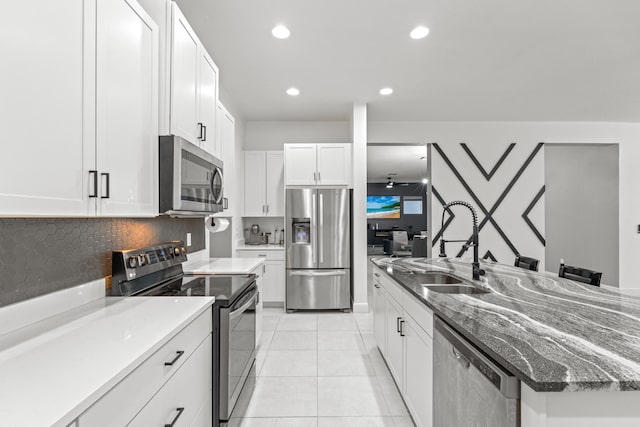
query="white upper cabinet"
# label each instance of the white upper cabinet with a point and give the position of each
(193, 86)
(263, 183)
(185, 61)
(208, 125)
(126, 110)
(81, 115)
(46, 157)
(300, 164)
(226, 141)
(317, 164)
(275, 183)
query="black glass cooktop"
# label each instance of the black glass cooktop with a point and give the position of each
(225, 288)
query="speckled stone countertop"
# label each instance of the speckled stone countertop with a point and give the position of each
(553, 334)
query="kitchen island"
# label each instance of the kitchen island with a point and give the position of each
(554, 334)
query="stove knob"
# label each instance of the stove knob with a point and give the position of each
(142, 260)
(183, 250)
(176, 251)
(132, 262)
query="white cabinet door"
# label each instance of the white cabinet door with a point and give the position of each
(275, 183)
(394, 352)
(379, 317)
(184, 78)
(300, 164)
(274, 289)
(46, 156)
(418, 368)
(334, 164)
(126, 110)
(254, 185)
(207, 103)
(227, 141)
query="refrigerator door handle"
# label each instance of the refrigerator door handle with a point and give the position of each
(312, 273)
(314, 230)
(321, 228)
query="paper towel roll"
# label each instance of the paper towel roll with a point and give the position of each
(216, 225)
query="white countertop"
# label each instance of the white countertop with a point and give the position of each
(53, 370)
(245, 247)
(222, 265)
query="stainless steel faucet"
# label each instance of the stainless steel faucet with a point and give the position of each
(477, 271)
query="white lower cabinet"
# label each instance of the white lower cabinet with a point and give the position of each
(178, 403)
(273, 289)
(259, 271)
(406, 344)
(178, 375)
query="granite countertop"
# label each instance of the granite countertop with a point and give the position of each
(553, 334)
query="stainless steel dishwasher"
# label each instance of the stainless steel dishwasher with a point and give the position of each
(470, 390)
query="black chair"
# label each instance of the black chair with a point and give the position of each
(419, 247)
(580, 274)
(526, 263)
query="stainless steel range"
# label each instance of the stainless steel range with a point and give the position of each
(157, 271)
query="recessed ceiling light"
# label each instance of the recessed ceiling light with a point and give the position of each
(419, 32)
(425, 180)
(280, 32)
(292, 91)
(386, 91)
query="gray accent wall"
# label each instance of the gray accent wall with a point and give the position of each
(413, 223)
(43, 255)
(581, 208)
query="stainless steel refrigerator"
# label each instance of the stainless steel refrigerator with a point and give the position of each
(318, 249)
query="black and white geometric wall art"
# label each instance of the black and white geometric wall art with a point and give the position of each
(504, 183)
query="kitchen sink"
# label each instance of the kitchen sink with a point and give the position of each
(456, 289)
(436, 279)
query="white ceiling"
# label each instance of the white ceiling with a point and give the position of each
(403, 163)
(555, 60)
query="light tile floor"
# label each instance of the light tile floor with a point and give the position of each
(321, 369)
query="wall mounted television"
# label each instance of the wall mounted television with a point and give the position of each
(383, 207)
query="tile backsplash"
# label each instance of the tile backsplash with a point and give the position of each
(43, 255)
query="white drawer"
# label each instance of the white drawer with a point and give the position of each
(269, 255)
(120, 404)
(183, 395)
(393, 288)
(420, 312)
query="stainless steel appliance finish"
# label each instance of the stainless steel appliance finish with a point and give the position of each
(469, 388)
(191, 180)
(237, 349)
(318, 248)
(157, 271)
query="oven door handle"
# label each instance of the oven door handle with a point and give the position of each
(238, 311)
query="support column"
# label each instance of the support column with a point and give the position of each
(359, 158)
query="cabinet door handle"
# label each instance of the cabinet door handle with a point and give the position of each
(319, 177)
(200, 127)
(267, 208)
(262, 208)
(376, 274)
(204, 138)
(402, 328)
(180, 411)
(376, 286)
(262, 256)
(95, 183)
(108, 189)
(179, 354)
(398, 324)
(314, 177)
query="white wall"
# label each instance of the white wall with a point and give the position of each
(627, 135)
(272, 135)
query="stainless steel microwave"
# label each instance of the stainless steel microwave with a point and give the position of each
(190, 179)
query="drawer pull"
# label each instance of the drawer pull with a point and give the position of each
(175, 359)
(376, 286)
(376, 274)
(262, 256)
(180, 411)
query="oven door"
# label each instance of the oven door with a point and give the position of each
(237, 348)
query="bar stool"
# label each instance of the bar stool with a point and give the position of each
(580, 274)
(526, 262)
